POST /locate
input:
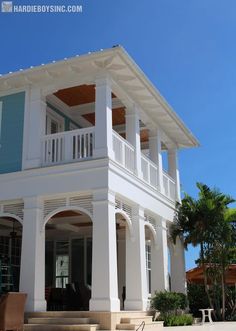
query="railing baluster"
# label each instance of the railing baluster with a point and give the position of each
(123, 152)
(67, 146)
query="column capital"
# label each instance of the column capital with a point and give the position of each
(155, 132)
(103, 79)
(172, 150)
(33, 202)
(132, 111)
(161, 223)
(138, 211)
(104, 196)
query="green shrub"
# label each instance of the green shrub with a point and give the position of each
(197, 299)
(167, 302)
(178, 320)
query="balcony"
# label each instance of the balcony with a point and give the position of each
(78, 145)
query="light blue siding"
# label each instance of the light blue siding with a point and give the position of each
(11, 143)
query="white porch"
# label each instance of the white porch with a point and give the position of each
(120, 233)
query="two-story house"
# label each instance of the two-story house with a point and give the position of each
(89, 180)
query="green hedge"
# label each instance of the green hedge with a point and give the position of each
(178, 320)
(167, 302)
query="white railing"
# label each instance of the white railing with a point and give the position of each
(169, 186)
(123, 152)
(69, 146)
(149, 171)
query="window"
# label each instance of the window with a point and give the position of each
(148, 266)
(54, 122)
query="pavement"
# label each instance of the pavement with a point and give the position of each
(216, 326)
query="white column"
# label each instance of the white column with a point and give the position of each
(159, 259)
(173, 170)
(156, 155)
(177, 267)
(136, 275)
(103, 119)
(104, 261)
(34, 129)
(133, 135)
(32, 275)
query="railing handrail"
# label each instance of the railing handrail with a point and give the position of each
(168, 176)
(149, 160)
(123, 139)
(70, 132)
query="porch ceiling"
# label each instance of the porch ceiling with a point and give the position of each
(78, 95)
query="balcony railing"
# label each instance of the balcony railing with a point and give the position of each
(123, 152)
(169, 186)
(76, 145)
(69, 146)
(149, 171)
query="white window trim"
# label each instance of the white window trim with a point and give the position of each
(55, 117)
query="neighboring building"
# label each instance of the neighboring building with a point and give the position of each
(81, 146)
(195, 275)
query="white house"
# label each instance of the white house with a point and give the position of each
(84, 193)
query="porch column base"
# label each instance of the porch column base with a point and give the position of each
(34, 305)
(136, 305)
(104, 305)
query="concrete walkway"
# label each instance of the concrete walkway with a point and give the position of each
(217, 326)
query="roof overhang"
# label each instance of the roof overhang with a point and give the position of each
(125, 74)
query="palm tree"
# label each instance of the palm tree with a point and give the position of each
(199, 221)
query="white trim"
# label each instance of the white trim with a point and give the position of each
(51, 115)
(88, 108)
(12, 91)
(3, 214)
(26, 130)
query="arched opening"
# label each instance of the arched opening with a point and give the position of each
(123, 233)
(10, 252)
(68, 260)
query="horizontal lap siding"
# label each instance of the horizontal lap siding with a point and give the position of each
(12, 127)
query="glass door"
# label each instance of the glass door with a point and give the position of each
(62, 263)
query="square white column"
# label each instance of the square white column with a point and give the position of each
(103, 119)
(156, 155)
(173, 170)
(177, 267)
(34, 129)
(159, 259)
(32, 272)
(133, 135)
(136, 275)
(104, 259)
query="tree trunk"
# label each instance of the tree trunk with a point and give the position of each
(205, 278)
(223, 293)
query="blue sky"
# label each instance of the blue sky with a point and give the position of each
(186, 47)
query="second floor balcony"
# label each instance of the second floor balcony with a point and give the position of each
(79, 145)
